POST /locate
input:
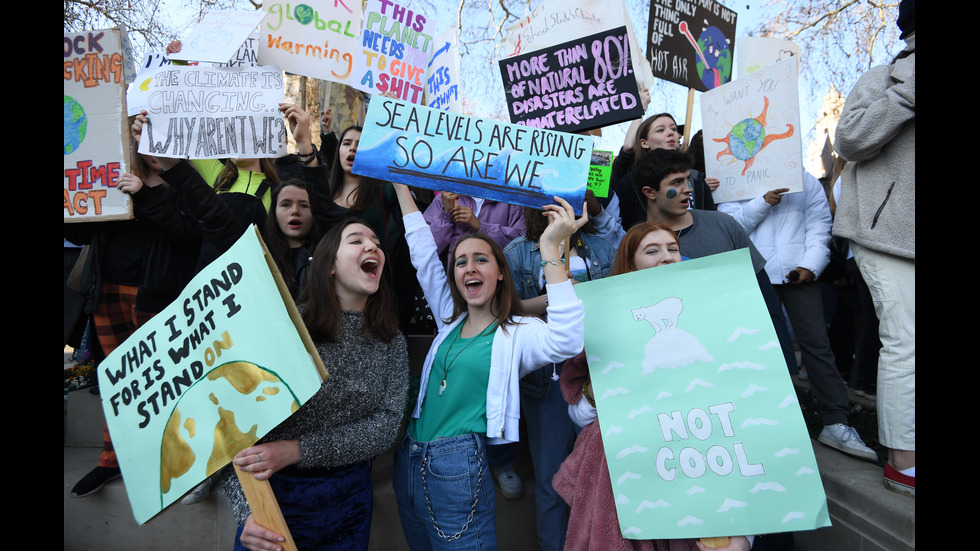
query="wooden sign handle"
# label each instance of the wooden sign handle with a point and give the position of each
(687, 118)
(265, 508)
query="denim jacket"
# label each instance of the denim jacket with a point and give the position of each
(524, 259)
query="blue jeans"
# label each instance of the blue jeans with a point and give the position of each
(445, 494)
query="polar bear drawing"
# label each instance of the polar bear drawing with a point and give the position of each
(662, 315)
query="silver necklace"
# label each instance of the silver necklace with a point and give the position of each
(445, 374)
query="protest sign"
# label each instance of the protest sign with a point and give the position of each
(442, 80)
(600, 172)
(218, 36)
(756, 52)
(317, 42)
(247, 54)
(675, 55)
(396, 42)
(575, 86)
(554, 21)
(441, 150)
(96, 130)
(206, 377)
(214, 113)
(702, 430)
(751, 142)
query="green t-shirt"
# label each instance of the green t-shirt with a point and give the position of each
(461, 408)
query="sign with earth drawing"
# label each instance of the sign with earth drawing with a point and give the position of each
(691, 42)
(206, 377)
(702, 430)
(96, 131)
(751, 133)
(446, 151)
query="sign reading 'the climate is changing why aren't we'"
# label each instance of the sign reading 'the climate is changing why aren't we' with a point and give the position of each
(214, 113)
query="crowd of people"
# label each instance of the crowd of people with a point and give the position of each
(369, 262)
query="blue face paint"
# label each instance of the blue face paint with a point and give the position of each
(671, 193)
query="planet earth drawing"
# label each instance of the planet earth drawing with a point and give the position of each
(75, 125)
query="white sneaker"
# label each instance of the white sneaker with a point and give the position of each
(198, 494)
(846, 439)
(510, 484)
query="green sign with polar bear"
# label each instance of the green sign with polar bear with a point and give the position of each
(206, 377)
(700, 423)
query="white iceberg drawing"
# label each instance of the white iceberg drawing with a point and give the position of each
(762, 486)
(632, 530)
(637, 412)
(695, 490)
(612, 365)
(662, 394)
(752, 389)
(673, 349)
(613, 429)
(771, 344)
(614, 392)
(651, 505)
(698, 383)
(792, 515)
(593, 359)
(739, 331)
(788, 401)
(760, 421)
(690, 520)
(787, 451)
(741, 365)
(631, 450)
(626, 476)
(804, 470)
(731, 504)
(621, 499)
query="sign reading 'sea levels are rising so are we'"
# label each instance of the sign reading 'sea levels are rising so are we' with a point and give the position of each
(502, 162)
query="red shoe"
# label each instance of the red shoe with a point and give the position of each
(898, 482)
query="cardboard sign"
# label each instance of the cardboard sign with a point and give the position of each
(395, 45)
(756, 52)
(214, 113)
(218, 36)
(473, 156)
(553, 21)
(700, 422)
(96, 130)
(319, 42)
(600, 172)
(691, 42)
(206, 377)
(751, 134)
(575, 86)
(442, 81)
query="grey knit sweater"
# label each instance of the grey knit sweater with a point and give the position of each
(356, 413)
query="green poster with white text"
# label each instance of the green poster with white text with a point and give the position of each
(700, 422)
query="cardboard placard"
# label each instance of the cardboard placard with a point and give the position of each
(574, 86)
(691, 42)
(441, 150)
(96, 130)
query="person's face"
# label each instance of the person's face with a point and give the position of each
(293, 214)
(674, 196)
(348, 148)
(476, 272)
(662, 135)
(656, 249)
(357, 266)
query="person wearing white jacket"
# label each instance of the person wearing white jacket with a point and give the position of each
(792, 230)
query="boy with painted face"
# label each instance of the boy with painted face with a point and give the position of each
(662, 177)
